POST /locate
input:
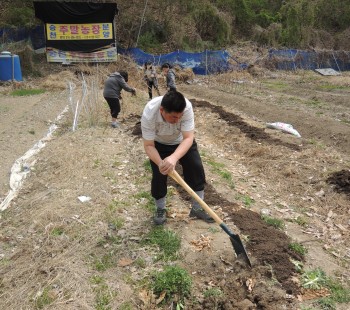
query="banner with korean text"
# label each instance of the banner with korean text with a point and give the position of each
(78, 31)
(65, 57)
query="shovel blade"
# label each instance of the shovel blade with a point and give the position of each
(237, 244)
(239, 249)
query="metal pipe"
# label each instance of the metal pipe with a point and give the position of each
(13, 67)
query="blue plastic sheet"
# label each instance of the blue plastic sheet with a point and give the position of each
(292, 59)
(204, 63)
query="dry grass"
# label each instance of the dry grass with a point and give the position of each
(55, 240)
(58, 81)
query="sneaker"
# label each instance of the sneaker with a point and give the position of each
(115, 125)
(160, 217)
(202, 215)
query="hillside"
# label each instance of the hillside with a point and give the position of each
(214, 24)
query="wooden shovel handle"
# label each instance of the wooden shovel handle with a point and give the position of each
(189, 190)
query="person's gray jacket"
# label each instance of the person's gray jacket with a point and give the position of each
(114, 84)
(170, 79)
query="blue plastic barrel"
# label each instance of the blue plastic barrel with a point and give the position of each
(10, 67)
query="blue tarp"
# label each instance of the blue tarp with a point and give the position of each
(292, 59)
(36, 35)
(208, 62)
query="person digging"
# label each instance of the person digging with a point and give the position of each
(113, 86)
(167, 126)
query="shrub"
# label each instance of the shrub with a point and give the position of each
(211, 26)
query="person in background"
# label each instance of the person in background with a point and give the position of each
(151, 78)
(113, 86)
(169, 73)
(167, 125)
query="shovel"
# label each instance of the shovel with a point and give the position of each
(235, 239)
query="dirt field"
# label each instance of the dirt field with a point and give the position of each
(52, 245)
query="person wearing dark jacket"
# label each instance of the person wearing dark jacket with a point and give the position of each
(170, 76)
(113, 86)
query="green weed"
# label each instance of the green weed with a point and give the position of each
(326, 303)
(27, 92)
(213, 292)
(168, 242)
(298, 265)
(103, 293)
(277, 223)
(219, 169)
(116, 164)
(44, 299)
(317, 279)
(57, 231)
(32, 131)
(149, 205)
(96, 279)
(247, 201)
(97, 163)
(203, 153)
(103, 297)
(298, 248)
(330, 87)
(102, 301)
(314, 279)
(316, 143)
(104, 262)
(140, 262)
(114, 206)
(345, 121)
(109, 240)
(109, 175)
(173, 281)
(147, 165)
(340, 294)
(126, 306)
(302, 221)
(117, 223)
(4, 262)
(276, 85)
(314, 103)
(111, 215)
(213, 230)
(4, 109)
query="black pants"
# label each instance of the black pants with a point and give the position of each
(150, 84)
(191, 165)
(114, 105)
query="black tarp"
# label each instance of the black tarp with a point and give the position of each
(64, 12)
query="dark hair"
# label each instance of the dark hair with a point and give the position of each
(166, 65)
(147, 63)
(173, 101)
(125, 75)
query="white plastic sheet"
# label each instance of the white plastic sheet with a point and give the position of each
(288, 128)
(21, 167)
